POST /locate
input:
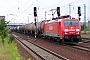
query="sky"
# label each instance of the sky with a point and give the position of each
(21, 11)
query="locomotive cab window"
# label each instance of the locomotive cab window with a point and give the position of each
(71, 23)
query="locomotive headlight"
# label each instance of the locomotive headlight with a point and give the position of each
(77, 29)
(66, 30)
(77, 32)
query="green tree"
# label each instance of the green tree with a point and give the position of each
(87, 28)
(82, 27)
(3, 30)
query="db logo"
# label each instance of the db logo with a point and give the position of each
(50, 27)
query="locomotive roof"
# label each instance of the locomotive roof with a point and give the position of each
(61, 17)
(59, 20)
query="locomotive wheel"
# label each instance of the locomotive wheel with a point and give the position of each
(62, 41)
(55, 40)
(79, 40)
(49, 38)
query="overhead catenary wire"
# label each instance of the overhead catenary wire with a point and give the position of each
(18, 12)
(16, 6)
(10, 4)
(71, 3)
(24, 3)
(28, 7)
(69, 6)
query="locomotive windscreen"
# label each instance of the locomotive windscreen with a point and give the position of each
(71, 23)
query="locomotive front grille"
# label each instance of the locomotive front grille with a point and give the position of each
(70, 37)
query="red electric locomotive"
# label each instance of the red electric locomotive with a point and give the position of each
(64, 28)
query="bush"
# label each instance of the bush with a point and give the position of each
(87, 28)
(11, 38)
(3, 30)
(82, 27)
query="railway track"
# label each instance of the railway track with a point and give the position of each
(81, 47)
(86, 40)
(61, 49)
(41, 52)
(84, 45)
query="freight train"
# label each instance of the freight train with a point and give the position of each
(62, 29)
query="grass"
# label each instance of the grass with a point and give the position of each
(87, 35)
(9, 51)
